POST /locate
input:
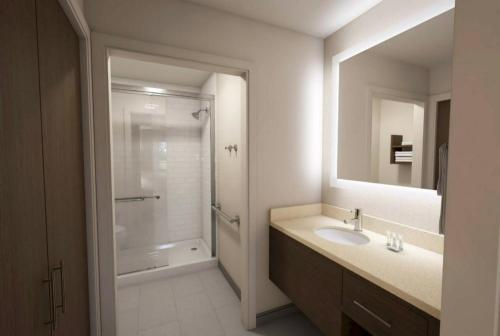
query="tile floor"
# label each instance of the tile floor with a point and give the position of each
(197, 304)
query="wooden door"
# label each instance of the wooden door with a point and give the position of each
(24, 299)
(59, 61)
(442, 132)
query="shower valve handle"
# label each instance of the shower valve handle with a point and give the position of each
(230, 148)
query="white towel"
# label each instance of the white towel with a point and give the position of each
(404, 154)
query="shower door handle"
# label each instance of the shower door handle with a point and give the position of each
(135, 198)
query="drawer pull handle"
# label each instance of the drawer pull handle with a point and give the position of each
(372, 314)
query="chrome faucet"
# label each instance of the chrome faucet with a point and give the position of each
(355, 220)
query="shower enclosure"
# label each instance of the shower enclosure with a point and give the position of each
(163, 167)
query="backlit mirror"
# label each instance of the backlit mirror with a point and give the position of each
(394, 107)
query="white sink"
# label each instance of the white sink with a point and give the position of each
(342, 236)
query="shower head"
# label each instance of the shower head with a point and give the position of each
(196, 114)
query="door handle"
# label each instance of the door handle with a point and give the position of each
(52, 319)
(60, 269)
(52, 298)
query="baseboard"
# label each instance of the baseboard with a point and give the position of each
(230, 280)
(276, 313)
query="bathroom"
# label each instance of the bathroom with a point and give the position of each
(250, 168)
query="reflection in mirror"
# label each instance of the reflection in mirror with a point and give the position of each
(394, 107)
(397, 126)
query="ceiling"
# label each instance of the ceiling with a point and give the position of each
(159, 73)
(428, 45)
(318, 18)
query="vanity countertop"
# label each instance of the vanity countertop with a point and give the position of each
(414, 275)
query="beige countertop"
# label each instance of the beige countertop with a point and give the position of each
(414, 275)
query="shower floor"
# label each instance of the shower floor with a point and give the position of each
(165, 255)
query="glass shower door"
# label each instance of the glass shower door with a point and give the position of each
(138, 195)
(158, 160)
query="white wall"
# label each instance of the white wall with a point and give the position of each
(375, 143)
(440, 79)
(471, 247)
(228, 171)
(289, 93)
(418, 208)
(228, 91)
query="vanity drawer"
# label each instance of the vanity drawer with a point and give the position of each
(378, 311)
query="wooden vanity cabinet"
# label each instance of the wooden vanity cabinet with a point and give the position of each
(311, 281)
(338, 301)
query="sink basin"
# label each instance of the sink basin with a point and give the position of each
(342, 236)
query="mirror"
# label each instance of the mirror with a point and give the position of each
(394, 107)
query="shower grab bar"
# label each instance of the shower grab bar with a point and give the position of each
(232, 220)
(135, 198)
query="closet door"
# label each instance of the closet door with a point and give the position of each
(24, 298)
(59, 62)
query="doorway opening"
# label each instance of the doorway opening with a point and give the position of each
(178, 153)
